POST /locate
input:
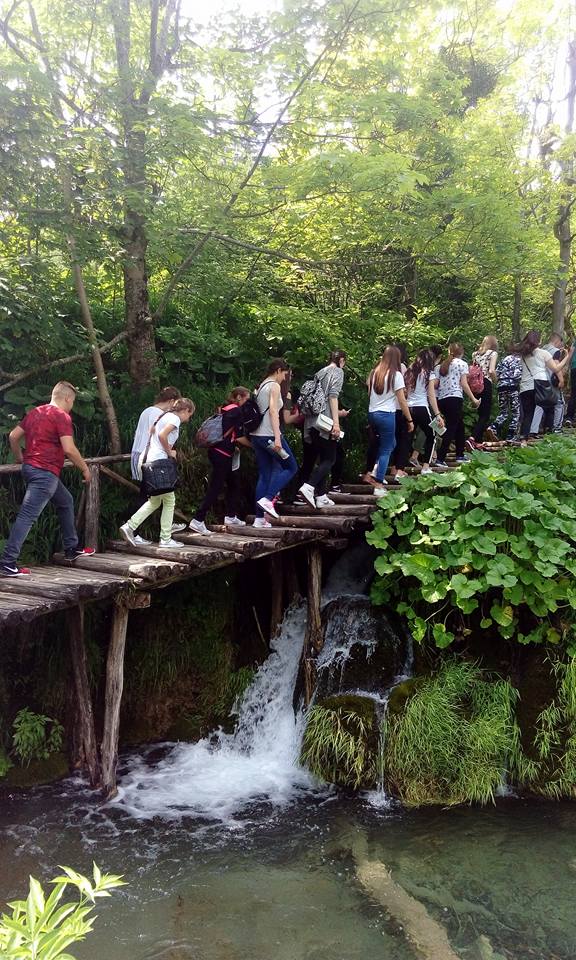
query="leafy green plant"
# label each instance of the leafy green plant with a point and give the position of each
(340, 742)
(42, 927)
(35, 736)
(453, 738)
(490, 546)
(5, 762)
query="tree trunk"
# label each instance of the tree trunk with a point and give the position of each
(562, 227)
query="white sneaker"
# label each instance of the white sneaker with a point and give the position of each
(380, 492)
(324, 501)
(141, 541)
(179, 527)
(198, 526)
(426, 470)
(261, 522)
(234, 522)
(128, 534)
(165, 544)
(268, 507)
(307, 491)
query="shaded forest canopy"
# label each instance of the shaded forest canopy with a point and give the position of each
(181, 201)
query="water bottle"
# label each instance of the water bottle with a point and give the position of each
(279, 453)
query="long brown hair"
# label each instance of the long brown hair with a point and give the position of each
(527, 346)
(454, 350)
(489, 343)
(384, 373)
(235, 394)
(424, 363)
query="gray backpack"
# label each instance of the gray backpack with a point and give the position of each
(312, 399)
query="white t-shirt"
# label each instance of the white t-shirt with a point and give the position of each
(418, 397)
(147, 418)
(265, 429)
(385, 402)
(534, 368)
(450, 386)
(157, 451)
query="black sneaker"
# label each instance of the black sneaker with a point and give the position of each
(11, 570)
(79, 552)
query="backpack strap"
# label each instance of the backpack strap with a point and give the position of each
(147, 450)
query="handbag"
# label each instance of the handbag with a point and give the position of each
(324, 424)
(158, 476)
(546, 395)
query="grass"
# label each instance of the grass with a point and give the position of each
(340, 741)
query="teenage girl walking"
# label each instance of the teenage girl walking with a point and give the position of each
(535, 364)
(452, 377)
(486, 357)
(276, 462)
(421, 395)
(164, 435)
(385, 389)
(224, 458)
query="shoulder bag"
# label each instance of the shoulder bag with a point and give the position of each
(158, 476)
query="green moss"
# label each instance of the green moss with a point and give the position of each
(38, 772)
(340, 743)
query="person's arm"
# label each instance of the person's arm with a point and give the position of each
(492, 367)
(163, 440)
(73, 454)
(466, 389)
(333, 404)
(403, 404)
(273, 408)
(14, 438)
(432, 399)
(558, 365)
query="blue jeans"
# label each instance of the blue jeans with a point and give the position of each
(41, 487)
(384, 426)
(273, 473)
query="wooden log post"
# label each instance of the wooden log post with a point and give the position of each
(92, 508)
(313, 638)
(115, 686)
(277, 594)
(291, 584)
(86, 753)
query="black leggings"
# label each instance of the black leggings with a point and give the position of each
(222, 476)
(451, 409)
(527, 407)
(421, 418)
(325, 452)
(483, 412)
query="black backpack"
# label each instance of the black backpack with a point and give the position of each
(251, 417)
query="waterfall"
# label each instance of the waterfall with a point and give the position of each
(219, 777)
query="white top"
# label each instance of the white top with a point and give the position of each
(147, 418)
(263, 400)
(484, 360)
(157, 451)
(385, 402)
(450, 386)
(418, 397)
(534, 368)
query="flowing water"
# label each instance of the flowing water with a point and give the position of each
(232, 851)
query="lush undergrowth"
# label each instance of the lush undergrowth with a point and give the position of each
(490, 547)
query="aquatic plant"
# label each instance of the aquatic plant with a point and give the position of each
(35, 736)
(42, 928)
(340, 741)
(452, 739)
(495, 539)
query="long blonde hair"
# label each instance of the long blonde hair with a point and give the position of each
(454, 350)
(488, 343)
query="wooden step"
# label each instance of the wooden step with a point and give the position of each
(304, 509)
(200, 558)
(244, 546)
(144, 568)
(317, 522)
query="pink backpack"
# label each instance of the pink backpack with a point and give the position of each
(476, 379)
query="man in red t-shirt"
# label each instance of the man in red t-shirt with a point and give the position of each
(48, 433)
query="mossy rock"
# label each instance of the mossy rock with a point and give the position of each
(341, 741)
(38, 772)
(186, 728)
(401, 693)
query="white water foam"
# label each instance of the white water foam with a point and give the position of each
(219, 777)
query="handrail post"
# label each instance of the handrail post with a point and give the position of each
(92, 508)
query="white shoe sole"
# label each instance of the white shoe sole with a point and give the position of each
(308, 497)
(270, 510)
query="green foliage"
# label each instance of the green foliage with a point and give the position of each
(491, 546)
(340, 741)
(233, 687)
(5, 762)
(35, 736)
(42, 927)
(549, 764)
(453, 739)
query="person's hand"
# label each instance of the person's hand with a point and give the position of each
(277, 444)
(343, 414)
(173, 454)
(410, 425)
(440, 420)
(335, 432)
(476, 402)
(85, 475)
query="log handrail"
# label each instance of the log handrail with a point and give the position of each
(113, 458)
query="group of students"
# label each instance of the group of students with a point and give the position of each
(424, 396)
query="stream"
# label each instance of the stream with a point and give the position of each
(231, 851)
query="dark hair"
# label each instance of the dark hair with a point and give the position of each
(168, 393)
(235, 393)
(383, 374)
(337, 355)
(275, 365)
(527, 346)
(454, 350)
(403, 348)
(437, 350)
(424, 363)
